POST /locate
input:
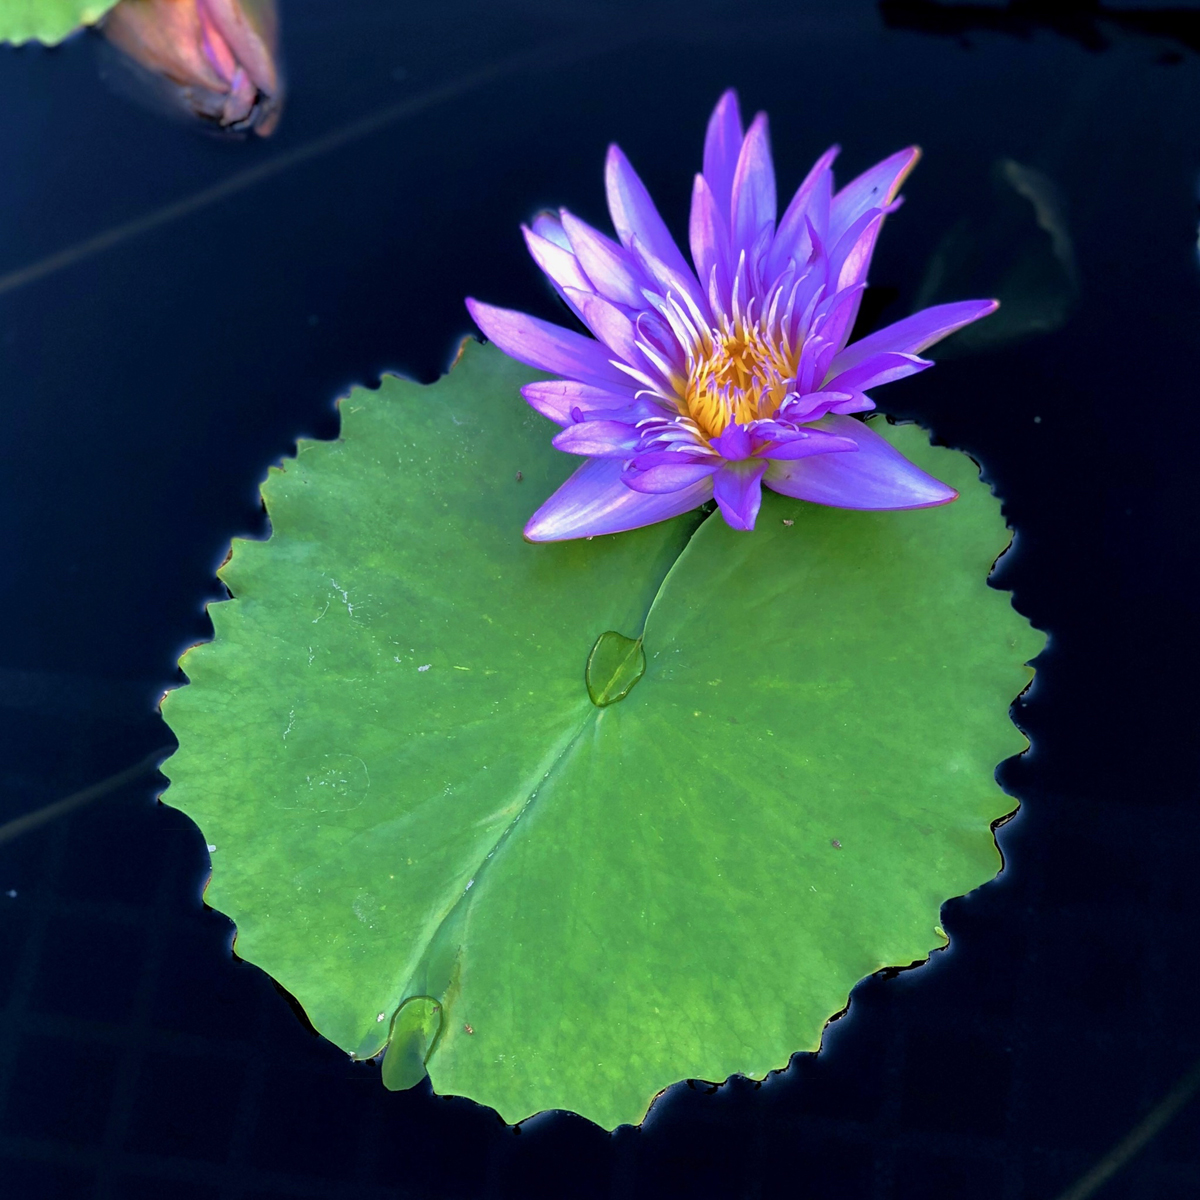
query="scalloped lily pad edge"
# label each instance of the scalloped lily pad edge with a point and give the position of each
(431, 1035)
(415, 1045)
(48, 22)
(412, 1044)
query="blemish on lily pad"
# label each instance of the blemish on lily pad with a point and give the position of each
(615, 664)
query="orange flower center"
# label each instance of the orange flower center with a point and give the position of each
(742, 372)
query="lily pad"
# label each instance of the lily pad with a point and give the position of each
(47, 21)
(437, 773)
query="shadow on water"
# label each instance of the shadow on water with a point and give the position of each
(1088, 23)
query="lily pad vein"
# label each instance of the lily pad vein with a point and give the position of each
(416, 985)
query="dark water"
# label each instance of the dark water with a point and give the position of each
(147, 386)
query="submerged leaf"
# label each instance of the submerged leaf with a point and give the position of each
(1020, 250)
(396, 740)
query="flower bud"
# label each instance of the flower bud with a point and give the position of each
(215, 59)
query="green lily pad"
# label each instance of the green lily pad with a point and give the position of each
(47, 21)
(437, 768)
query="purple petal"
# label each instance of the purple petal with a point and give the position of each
(872, 189)
(915, 333)
(818, 241)
(659, 344)
(560, 266)
(547, 225)
(598, 439)
(669, 430)
(811, 202)
(753, 204)
(547, 347)
(876, 371)
(877, 477)
(708, 236)
(556, 398)
(683, 285)
(850, 259)
(765, 429)
(595, 501)
(608, 323)
(836, 323)
(669, 476)
(655, 337)
(722, 144)
(676, 451)
(609, 267)
(634, 214)
(812, 405)
(734, 443)
(811, 441)
(805, 294)
(737, 489)
(858, 403)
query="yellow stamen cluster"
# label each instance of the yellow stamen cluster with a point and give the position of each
(741, 372)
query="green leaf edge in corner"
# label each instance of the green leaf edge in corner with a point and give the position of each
(47, 21)
(424, 823)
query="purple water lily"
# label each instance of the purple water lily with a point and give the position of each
(707, 384)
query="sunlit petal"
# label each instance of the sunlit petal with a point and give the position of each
(876, 477)
(722, 145)
(598, 439)
(546, 346)
(753, 204)
(595, 501)
(558, 398)
(874, 188)
(915, 333)
(610, 268)
(737, 489)
(634, 214)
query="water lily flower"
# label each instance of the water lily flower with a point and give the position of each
(707, 381)
(216, 57)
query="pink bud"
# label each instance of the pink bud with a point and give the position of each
(215, 59)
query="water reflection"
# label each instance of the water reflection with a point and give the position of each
(215, 60)
(1020, 251)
